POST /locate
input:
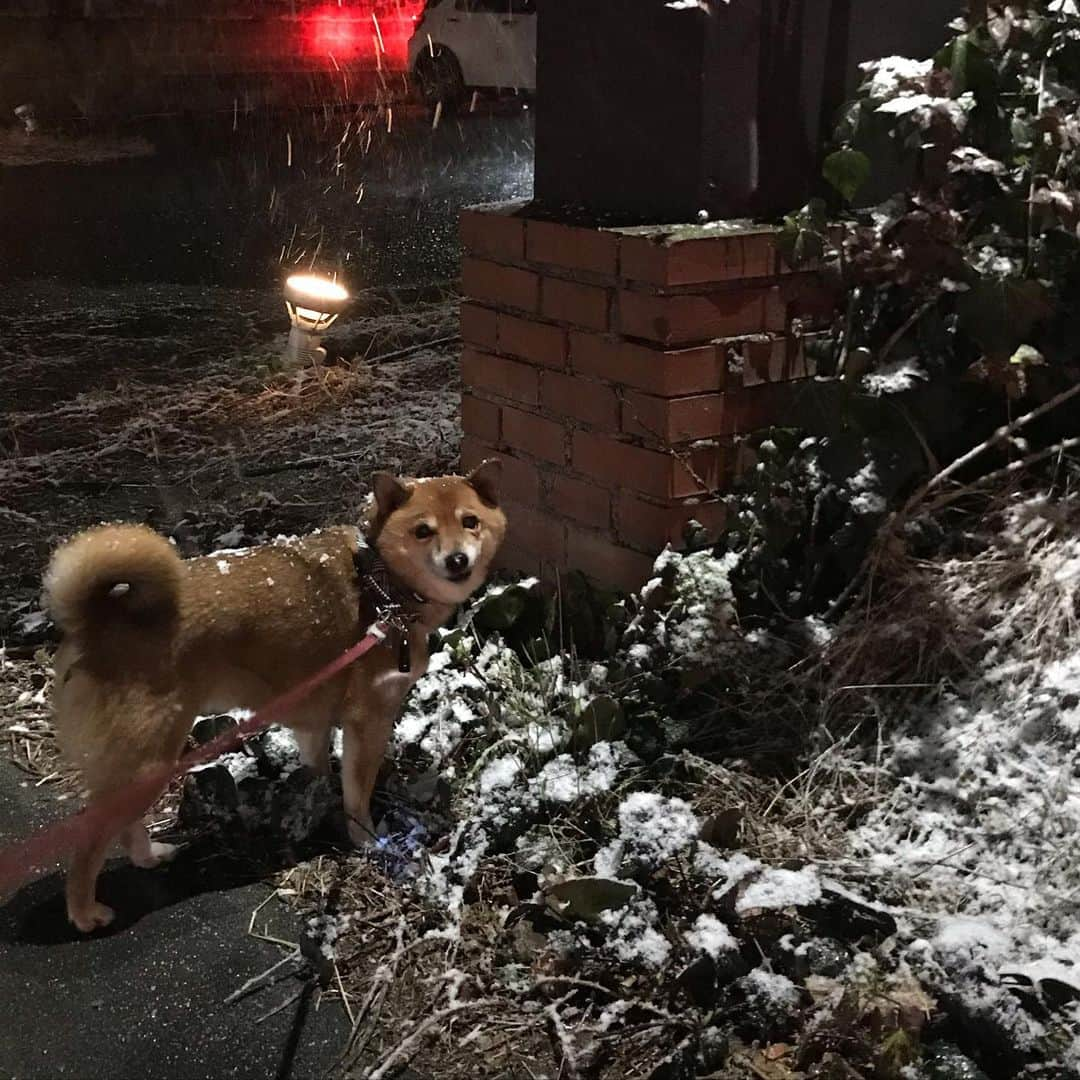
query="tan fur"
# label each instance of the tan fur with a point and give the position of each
(152, 641)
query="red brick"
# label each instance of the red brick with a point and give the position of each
(534, 435)
(705, 416)
(492, 233)
(705, 468)
(615, 462)
(513, 558)
(535, 532)
(659, 259)
(651, 526)
(540, 343)
(480, 418)
(580, 398)
(669, 373)
(758, 359)
(503, 285)
(600, 558)
(478, 326)
(577, 304)
(572, 247)
(665, 474)
(507, 378)
(520, 480)
(686, 319)
(583, 502)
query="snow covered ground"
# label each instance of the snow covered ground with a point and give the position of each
(944, 914)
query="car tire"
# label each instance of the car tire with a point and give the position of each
(438, 78)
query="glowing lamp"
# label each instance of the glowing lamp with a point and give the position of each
(313, 303)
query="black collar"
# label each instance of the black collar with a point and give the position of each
(383, 599)
(380, 585)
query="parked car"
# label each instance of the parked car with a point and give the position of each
(462, 45)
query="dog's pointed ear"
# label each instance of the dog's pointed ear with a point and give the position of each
(484, 480)
(390, 492)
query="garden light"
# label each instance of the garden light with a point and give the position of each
(313, 303)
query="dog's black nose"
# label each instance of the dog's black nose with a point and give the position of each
(457, 563)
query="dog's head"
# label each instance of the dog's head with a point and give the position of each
(439, 535)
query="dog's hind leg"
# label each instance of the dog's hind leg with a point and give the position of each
(143, 852)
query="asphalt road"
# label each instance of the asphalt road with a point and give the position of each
(374, 195)
(148, 998)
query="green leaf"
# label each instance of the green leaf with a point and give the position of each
(847, 170)
(586, 897)
(601, 720)
(501, 609)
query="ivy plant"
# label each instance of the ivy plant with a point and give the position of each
(972, 267)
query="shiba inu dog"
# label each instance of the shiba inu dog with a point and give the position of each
(152, 640)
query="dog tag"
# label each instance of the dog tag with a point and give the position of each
(404, 655)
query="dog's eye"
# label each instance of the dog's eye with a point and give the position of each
(470, 521)
(423, 531)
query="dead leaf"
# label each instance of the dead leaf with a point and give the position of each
(585, 898)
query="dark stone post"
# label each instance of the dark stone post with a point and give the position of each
(652, 112)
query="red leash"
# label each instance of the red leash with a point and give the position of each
(109, 813)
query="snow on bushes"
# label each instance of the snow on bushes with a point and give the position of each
(573, 815)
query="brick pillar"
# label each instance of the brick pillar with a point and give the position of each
(612, 369)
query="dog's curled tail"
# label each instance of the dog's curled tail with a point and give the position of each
(113, 576)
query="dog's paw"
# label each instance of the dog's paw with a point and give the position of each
(158, 854)
(92, 918)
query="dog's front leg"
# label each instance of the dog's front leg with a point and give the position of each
(368, 722)
(80, 888)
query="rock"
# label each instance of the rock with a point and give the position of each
(947, 1063)
(679, 1064)
(839, 916)
(1058, 994)
(208, 728)
(713, 1049)
(525, 884)
(722, 829)
(209, 797)
(698, 979)
(761, 1006)
(814, 956)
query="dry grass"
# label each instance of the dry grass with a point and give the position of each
(24, 699)
(924, 624)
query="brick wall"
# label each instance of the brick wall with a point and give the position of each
(613, 369)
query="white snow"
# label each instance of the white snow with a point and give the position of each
(561, 780)
(706, 624)
(778, 888)
(768, 987)
(653, 828)
(500, 773)
(894, 377)
(710, 935)
(634, 937)
(978, 815)
(886, 76)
